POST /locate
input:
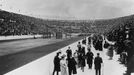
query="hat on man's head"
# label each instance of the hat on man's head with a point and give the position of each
(58, 53)
(98, 53)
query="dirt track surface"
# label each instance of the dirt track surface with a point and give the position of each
(21, 45)
(12, 61)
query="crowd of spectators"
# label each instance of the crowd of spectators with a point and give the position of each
(123, 35)
(17, 24)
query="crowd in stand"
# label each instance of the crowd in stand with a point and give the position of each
(124, 46)
(17, 24)
(68, 63)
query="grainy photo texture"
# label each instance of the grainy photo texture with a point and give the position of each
(66, 37)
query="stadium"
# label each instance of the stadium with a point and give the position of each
(28, 44)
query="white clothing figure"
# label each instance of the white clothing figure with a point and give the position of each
(63, 66)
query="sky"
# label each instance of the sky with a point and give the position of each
(70, 9)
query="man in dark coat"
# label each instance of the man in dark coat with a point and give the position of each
(98, 45)
(79, 46)
(97, 63)
(89, 40)
(72, 65)
(83, 63)
(130, 67)
(56, 64)
(89, 57)
(69, 52)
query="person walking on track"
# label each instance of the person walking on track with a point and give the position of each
(69, 52)
(72, 65)
(63, 65)
(89, 57)
(57, 64)
(79, 46)
(97, 62)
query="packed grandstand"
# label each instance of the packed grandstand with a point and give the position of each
(18, 24)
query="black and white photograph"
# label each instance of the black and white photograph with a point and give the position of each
(66, 37)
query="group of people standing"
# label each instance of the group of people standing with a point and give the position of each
(68, 63)
(89, 57)
(97, 42)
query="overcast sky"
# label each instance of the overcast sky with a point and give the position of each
(71, 9)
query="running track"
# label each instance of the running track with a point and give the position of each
(16, 60)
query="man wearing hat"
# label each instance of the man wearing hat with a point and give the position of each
(97, 62)
(57, 64)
